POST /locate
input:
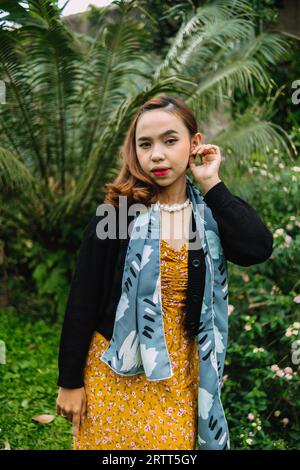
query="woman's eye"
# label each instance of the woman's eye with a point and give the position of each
(173, 140)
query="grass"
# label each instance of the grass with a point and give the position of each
(28, 385)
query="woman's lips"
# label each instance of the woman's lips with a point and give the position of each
(161, 172)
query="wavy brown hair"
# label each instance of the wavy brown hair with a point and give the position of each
(132, 181)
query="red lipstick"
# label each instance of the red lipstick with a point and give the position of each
(161, 172)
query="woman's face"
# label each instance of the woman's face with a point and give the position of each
(155, 147)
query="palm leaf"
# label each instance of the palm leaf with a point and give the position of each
(68, 104)
(253, 134)
(13, 173)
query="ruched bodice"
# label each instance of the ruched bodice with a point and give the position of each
(174, 276)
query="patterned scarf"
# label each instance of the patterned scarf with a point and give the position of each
(138, 342)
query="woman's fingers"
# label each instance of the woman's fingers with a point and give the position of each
(60, 412)
(210, 151)
(205, 149)
(206, 153)
(83, 413)
(75, 422)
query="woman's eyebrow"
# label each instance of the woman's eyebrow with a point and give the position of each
(169, 131)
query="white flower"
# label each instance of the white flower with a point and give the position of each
(230, 309)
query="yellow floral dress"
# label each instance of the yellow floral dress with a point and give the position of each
(133, 413)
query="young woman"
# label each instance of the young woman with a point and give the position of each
(108, 409)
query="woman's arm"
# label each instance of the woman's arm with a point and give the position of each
(244, 237)
(81, 309)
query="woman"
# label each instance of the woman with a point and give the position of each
(162, 405)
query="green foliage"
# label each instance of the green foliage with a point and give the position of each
(70, 101)
(69, 106)
(51, 279)
(28, 385)
(264, 326)
(39, 275)
(260, 390)
(287, 113)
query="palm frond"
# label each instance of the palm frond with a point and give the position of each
(13, 173)
(68, 104)
(107, 64)
(253, 133)
(209, 17)
(11, 70)
(236, 70)
(221, 51)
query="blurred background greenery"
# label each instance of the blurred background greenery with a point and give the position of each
(72, 86)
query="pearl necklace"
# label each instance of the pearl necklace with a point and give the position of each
(174, 207)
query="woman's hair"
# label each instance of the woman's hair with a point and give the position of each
(132, 181)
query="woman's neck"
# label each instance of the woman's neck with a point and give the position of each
(174, 194)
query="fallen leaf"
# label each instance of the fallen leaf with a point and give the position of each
(44, 419)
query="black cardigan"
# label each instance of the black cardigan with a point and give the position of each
(96, 285)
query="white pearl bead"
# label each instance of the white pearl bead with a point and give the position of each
(175, 207)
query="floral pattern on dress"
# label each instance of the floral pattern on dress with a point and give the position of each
(133, 413)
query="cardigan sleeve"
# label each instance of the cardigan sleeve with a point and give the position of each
(81, 309)
(244, 237)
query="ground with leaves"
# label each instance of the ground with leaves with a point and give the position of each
(28, 386)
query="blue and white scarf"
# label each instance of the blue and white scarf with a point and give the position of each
(138, 343)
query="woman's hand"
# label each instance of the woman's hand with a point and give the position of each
(71, 404)
(206, 173)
